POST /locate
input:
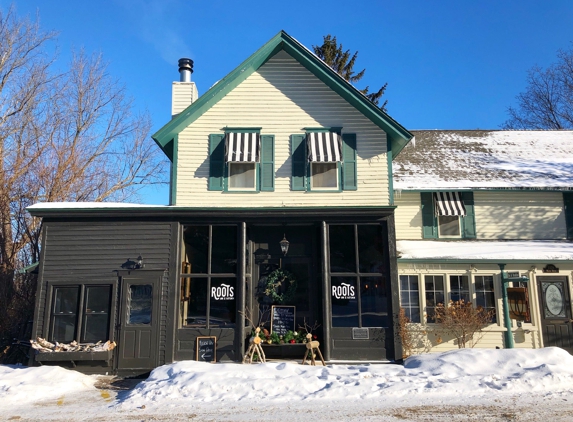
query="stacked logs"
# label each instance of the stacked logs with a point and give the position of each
(44, 346)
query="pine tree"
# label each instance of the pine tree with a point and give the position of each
(342, 62)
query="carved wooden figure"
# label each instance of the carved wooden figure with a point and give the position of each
(312, 347)
(255, 347)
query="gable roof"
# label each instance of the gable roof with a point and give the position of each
(397, 135)
(486, 159)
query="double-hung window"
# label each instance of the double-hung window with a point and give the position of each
(81, 313)
(323, 159)
(241, 160)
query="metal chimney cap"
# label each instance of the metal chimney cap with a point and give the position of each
(186, 64)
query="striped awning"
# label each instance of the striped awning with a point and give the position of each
(449, 203)
(242, 147)
(324, 147)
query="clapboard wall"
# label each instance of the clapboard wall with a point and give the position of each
(282, 98)
(92, 251)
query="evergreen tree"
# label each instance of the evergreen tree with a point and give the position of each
(342, 62)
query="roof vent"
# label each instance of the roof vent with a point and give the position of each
(185, 70)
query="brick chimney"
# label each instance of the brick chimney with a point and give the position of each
(184, 92)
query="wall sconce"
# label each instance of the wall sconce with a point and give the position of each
(133, 265)
(284, 245)
(518, 303)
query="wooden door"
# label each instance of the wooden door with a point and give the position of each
(555, 306)
(139, 323)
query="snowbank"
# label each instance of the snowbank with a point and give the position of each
(19, 384)
(469, 371)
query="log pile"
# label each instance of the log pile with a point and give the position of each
(44, 346)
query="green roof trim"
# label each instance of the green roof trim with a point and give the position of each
(398, 136)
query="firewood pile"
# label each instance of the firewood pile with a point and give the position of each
(44, 346)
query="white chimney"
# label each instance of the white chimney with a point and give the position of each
(184, 92)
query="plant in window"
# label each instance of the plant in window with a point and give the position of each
(280, 287)
(463, 321)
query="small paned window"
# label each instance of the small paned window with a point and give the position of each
(459, 288)
(209, 279)
(485, 296)
(81, 313)
(96, 314)
(410, 297)
(434, 285)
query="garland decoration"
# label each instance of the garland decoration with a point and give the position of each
(280, 281)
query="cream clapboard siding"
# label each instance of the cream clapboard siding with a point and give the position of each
(519, 215)
(408, 216)
(182, 95)
(282, 97)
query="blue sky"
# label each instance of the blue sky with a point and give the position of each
(448, 64)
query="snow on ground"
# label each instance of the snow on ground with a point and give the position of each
(533, 250)
(487, 384)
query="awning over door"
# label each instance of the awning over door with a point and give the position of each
(242, 147)
(449, 203)
(324, 147)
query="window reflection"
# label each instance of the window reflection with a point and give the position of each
(140, 304)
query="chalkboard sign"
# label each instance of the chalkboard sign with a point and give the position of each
(206, 349)
(282, 319)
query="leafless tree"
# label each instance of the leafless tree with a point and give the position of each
(69, 135)
(547, 102)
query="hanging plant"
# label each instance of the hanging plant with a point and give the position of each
(280, 287)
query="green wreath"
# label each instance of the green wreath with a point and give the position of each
(277, 281)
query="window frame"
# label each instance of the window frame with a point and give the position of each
(322, 188)
(407, 308)
(453, 236)
(209, 275)
(357, 274)
(255, 187)
(80, 314)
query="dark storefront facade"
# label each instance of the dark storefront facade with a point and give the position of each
(202, 275)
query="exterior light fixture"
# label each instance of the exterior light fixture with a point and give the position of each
(284, 245)
(133, 265)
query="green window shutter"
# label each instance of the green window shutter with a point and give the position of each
(568, 206)
(349, 176)
(299, 162)
(469, 221)
(216, 161)
(267, 176)
(430, 229)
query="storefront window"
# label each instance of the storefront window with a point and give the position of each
(342, 249)
(459, 288)
(485, 296)
(208, 282)
(344, 302)
(359, 299)
(96, 315)
(434, 294)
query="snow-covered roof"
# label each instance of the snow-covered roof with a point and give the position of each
(460, 250)
(485, 159)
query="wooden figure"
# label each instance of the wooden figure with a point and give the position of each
(255, 346)
(311, 348)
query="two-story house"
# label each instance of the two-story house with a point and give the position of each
(281, 164)
(470, 203)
